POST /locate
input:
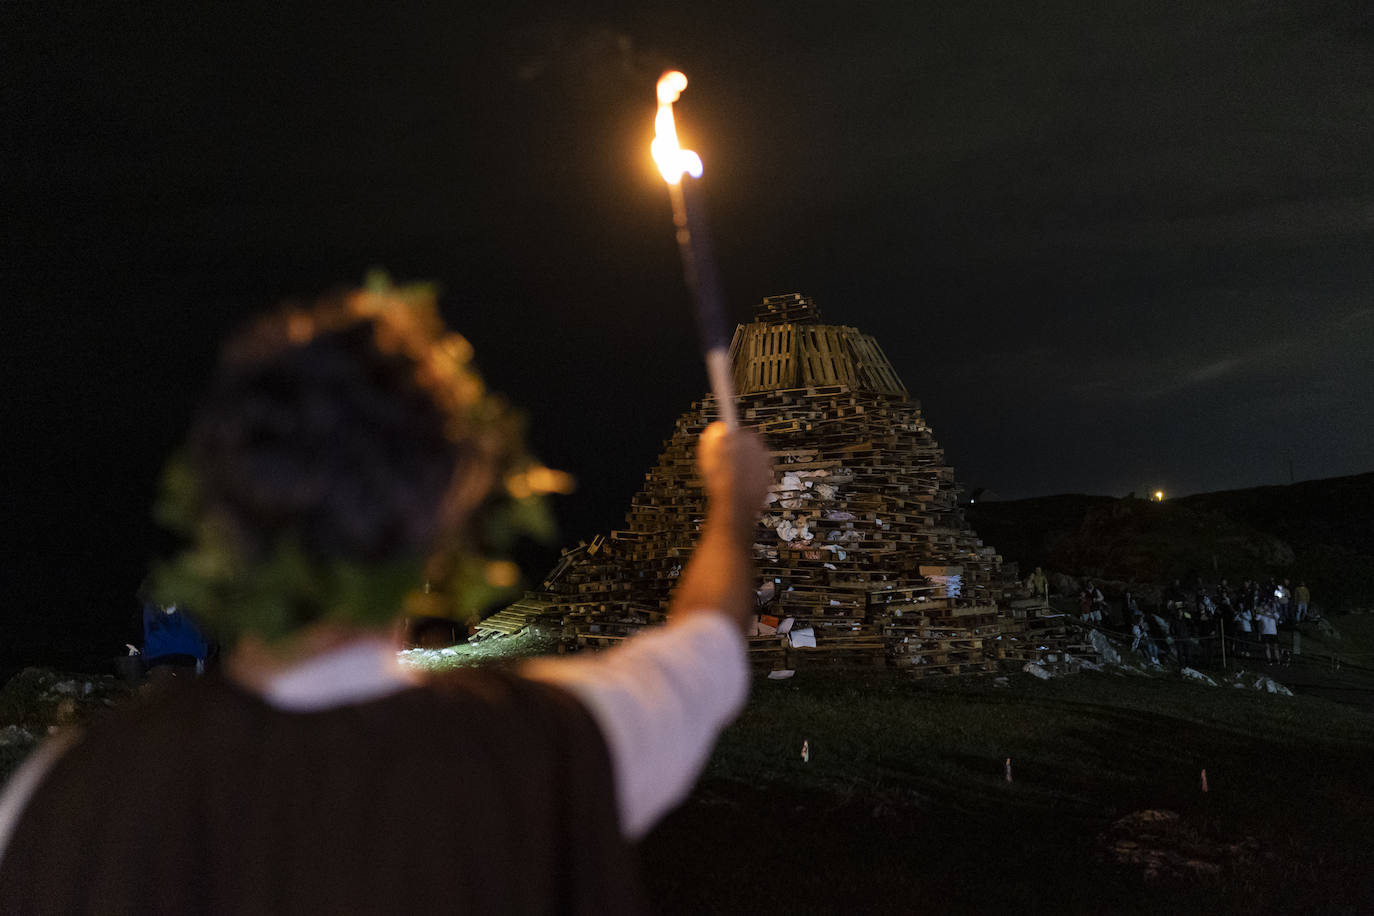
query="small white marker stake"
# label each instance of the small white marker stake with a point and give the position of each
(806, 751)
(1008, 769)
(1204, 780)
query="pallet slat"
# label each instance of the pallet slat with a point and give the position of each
(863, 540)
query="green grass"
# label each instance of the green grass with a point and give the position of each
(904, 806)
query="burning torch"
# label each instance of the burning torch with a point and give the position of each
(694, 244)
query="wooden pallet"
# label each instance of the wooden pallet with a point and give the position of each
(513, 618)
(862, 485)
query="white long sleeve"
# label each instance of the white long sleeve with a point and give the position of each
(660, 699)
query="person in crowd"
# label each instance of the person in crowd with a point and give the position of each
(1173, 592)
(172, 644)
(1040, 584)
(1268, 625)
(1183, 634)
(1142, 642)
(1099, 603)
(1131, 607)
(1205, 626)
(1163, 631)
(1303, 597)
(1244, 631)
(345, 454)
(1085, 605)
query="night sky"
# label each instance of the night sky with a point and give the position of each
(1110, 246)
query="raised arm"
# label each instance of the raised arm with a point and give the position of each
(661, 698)
(736, 473)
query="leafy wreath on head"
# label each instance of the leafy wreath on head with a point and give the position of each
(277, 592)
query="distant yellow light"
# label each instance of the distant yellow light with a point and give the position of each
(672, 159)
(1159, 496)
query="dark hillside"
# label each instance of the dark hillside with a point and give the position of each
(1338, 511)
(1028, 530)
(1321, 531)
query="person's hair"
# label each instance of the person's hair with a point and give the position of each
(342, 447)
(325, 426)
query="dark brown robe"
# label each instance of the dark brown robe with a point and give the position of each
(483, 793)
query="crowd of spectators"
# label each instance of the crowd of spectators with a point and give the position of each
(1198, 626)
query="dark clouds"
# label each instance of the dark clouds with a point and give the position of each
(1136, 225)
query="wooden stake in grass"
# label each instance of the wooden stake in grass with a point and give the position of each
(1008, 769)
(1204, 781)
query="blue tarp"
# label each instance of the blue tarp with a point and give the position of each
(170, 634)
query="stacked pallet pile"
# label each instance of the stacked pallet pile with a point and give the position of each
(864, 555)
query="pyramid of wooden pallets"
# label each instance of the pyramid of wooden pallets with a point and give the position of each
(862, 543)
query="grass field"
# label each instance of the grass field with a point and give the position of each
(904, 805)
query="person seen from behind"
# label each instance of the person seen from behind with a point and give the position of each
(1267, 619)
(172, 645)
(346, 454)
(1302, 595)
(1141, 641)
(1244, 631)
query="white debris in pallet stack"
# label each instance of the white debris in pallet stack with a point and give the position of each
(862, 500)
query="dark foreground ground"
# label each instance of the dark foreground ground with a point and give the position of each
(904, 806)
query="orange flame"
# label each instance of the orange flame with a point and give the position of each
(672, 159)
